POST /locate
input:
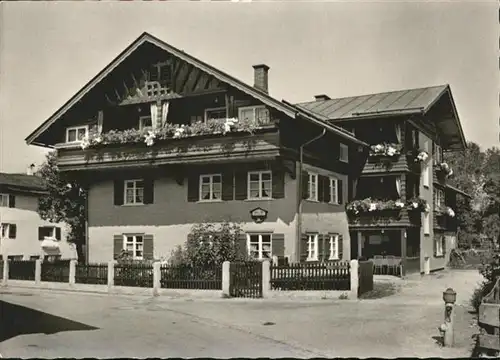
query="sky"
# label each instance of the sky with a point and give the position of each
(50, 50)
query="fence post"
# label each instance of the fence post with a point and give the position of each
(266, 278)
(38, 271)
(156, 278)
(354, 279)
(111, 274)
(72, 272)
(225, 279)
(5, 272)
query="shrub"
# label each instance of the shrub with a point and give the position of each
(490, 272)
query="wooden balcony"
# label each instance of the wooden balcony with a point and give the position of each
(385, 218)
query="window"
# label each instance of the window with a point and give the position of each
(313, 187)
(4, 200)
(76, 133)
(259, 184)
(34, 257)
(53, 232)
(215, 113)
(8, 231)
(312, 247)
(439, 244)
(134, 245)
(333, 247)
(426, 224)
(439, 198)
(145, 121)
(438, 154)
(258, 114)
(344, 153)
(259, 246)
(210, 187)
(334, 198)
(15, 257)
(134, 192)
(51, 258)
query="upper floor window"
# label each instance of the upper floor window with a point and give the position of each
(259, 184)
(134, 192)
(439, 198)
(438, 154)
(215, 113)
(334, 189)
(312, 247)
(145, 121)
(76, 133)
(258, 114)
(425, 167)
(344, 153)
(134, 245)
(53, 232)
(259, 246)
(5, 200)
(313, 187)
(333, 243)
(210, 187)
(9, 231)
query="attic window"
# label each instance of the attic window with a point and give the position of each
(257, 114)
(76, 133)
(153, 88)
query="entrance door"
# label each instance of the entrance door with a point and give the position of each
(354, 245)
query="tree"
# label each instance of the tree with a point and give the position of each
(65, 202)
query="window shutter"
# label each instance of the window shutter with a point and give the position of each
(303, 248)
(58, 233)
(341, 247)
(321, 188)
(278, 178)
(227, 185)
(40, 233)
(340, 191)
(193, 188)
(305, 185)
(148, 247)
(326, 189)
(12, 201)
(119, 192)
(434, 244)
(443, 239)
(12, 231)
(242, 245)
(117, 245)
(322, 248)
(278, 244)
(149, 191)
(240, 185)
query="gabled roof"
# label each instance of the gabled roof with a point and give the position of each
(22, 182)
(220, 75)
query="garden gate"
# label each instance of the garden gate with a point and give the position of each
(489, 320)
(245, 279)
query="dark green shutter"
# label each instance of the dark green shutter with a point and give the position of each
(12, 201)
(117, 245)
(321, 188)
(58, 233)
(278, 245)
(303, 248)
(193, 188)
(227, 185)
(305, 184)
(149, 190)
(148, 247)
(240, 185)
(340, 192)
(278, 184)
(12, 231)
(40, 233)
(341, 246)
(118, 192)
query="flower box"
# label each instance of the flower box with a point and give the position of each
(373, 207)
(444, 170)
(388, 150)
(417, 204)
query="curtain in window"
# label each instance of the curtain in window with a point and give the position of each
(100, 118)
(154, 115)
(164, 113)
(398, 132)
(398, 185)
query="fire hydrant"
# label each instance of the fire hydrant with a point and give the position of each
(446, 329)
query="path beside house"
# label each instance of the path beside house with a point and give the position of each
(401, 325)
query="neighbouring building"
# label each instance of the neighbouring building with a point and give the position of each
(24, 235)
(162, 141)
(402, 206)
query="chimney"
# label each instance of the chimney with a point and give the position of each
(260, 77)
(29, 170)
(321, 97)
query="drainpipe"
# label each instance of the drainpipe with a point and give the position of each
(299, 192)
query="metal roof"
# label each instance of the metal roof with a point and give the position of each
(387, 103)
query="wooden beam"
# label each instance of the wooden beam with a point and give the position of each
(199, 74)
(205, 82)
(175, 73)
(184, 82)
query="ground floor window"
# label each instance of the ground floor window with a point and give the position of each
(52, 232)
(439, 245)
(15, 257)
(51, 258)
(333, 243)
(259, 246)
(312, 247)
(134, 245)
(382, 243)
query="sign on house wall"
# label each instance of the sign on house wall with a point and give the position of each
(258, 215)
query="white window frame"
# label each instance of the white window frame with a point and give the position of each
(254, 108)
(344, 149)
(334, 196)
(211, 190)
(333, 247)
(312, 247)
(260, 173)
(312, 184)
(439, 198)
(135, 187)
(142, 119)
(426, 223)
(214, 109)
(76, 128)
(439, 245)
(4, 200)
(134, 243)
(260, 245)
(5, 234)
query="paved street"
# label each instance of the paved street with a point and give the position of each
(92, 325)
